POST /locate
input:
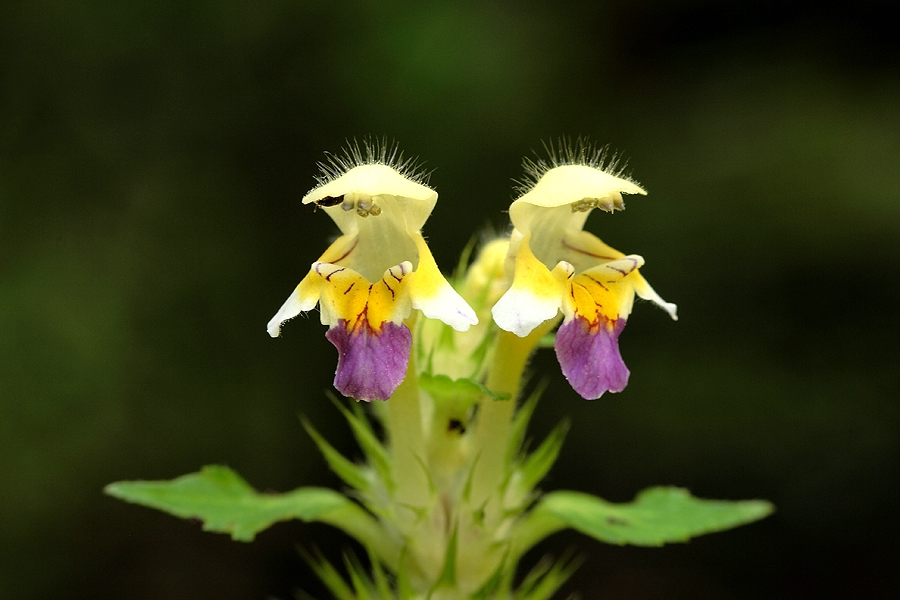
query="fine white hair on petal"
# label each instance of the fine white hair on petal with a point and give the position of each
(373, 151)
(292, 307)
(571, 152)
(643, 290)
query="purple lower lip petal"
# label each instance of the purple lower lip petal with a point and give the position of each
(370, 364)
(590, 358)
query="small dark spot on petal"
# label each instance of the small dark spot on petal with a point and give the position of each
(456, 425)
(329, 201)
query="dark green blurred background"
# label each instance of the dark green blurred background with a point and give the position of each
(152, 159)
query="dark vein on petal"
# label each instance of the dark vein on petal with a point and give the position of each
(347, 253)
(585, 252)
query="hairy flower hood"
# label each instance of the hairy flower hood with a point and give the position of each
(371, 278)
(557, 266)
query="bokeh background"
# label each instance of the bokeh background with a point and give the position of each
(152, 160)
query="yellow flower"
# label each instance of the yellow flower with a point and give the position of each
(559, 266)
(371, 278)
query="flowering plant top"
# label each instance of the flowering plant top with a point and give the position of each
(446, 502)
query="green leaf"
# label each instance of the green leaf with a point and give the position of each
(327, 574)
(521, 420)
(546, 577)
(352, 474)
(379, 577)
(363, 587)
(548, 341)
(538, 463)
(227, 504)
(405, 589)
(372, 447)
(459, 273)
(480, 353)
(442, 386)
(447, 578)
(498, 584)
(657, 516)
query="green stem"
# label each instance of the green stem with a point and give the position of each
(404, 431)
(495, 416)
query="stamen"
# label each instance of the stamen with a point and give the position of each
(584, 205)
(366, 206)
(349, 201)
(362, 207)
(375, 210)
(607, 204)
